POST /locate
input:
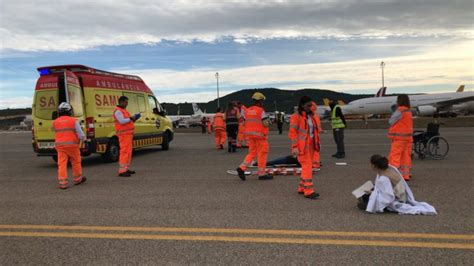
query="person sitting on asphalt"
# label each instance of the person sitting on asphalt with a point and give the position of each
(391, 192)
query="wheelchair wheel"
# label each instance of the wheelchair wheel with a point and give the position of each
(437, 148)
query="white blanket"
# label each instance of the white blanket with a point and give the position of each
(383, 197)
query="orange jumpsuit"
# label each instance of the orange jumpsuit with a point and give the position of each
(67, 147)
(257, 139)
(317, 156)
(209, 125)
(219, 130)
(125, 136)
(241, 136)
(300, 136)
(401, 134)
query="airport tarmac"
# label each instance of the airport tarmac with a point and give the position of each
(182, 208)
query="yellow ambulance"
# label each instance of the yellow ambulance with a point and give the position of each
(93, 95)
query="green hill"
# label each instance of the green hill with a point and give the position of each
(12, 112)
(284, 99)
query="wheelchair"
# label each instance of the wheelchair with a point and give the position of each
(429, 143)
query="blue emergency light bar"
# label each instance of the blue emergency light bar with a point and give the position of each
(44, 71)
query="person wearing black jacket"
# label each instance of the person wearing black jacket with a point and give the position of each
(232, 117)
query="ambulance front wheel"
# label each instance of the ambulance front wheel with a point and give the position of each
(165, 145)
(113, 151)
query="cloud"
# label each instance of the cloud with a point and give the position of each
(76, 25)
(16, 102)
(437, 66)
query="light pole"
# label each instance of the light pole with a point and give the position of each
(382, 65)
(217, 79)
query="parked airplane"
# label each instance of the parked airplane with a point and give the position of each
(423, 104)
(194, 119)
(175, 119)
(325, 111)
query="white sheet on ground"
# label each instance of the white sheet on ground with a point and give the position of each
(383, 197)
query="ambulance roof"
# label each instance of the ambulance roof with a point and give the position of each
(81, 68)
(91, 77)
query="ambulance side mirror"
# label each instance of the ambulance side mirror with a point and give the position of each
(158, 112)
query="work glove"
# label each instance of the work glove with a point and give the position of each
(136, 117)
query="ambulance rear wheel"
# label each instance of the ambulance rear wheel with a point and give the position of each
(113, 151)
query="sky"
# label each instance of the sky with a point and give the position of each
(176, 47)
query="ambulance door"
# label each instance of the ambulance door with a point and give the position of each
(135, 107)
(45, 108)
(156, 113)
(147, 115)
(75, 98)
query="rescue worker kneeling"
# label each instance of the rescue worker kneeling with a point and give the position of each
(124, 128)
(256, 125)
(303, 134)
(68, 134)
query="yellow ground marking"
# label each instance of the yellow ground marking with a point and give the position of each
(244, 231)
(245, 239)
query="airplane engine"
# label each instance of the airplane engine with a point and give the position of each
(426, 110)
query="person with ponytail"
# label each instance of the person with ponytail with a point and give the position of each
(303, 134)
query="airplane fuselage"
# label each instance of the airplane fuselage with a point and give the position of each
(384, 105)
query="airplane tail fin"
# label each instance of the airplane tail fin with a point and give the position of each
(196, 109)
(460, 89)
(381, 92)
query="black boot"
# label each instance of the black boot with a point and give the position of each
(314, 195)
(241, 173)
(125, 174)
(83, 179)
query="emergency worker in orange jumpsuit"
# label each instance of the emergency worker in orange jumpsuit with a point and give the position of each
(241, 142)
(67, 136)
(256, 131)
(303, 134)
(124, 129)
(401, 134)
(218, 124)
(317, 157)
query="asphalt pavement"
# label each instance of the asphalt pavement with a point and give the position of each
(182, 208)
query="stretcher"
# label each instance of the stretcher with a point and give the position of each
(279, 169)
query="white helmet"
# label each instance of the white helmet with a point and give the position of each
(65, 107)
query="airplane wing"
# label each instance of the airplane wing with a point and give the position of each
(449, 103)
